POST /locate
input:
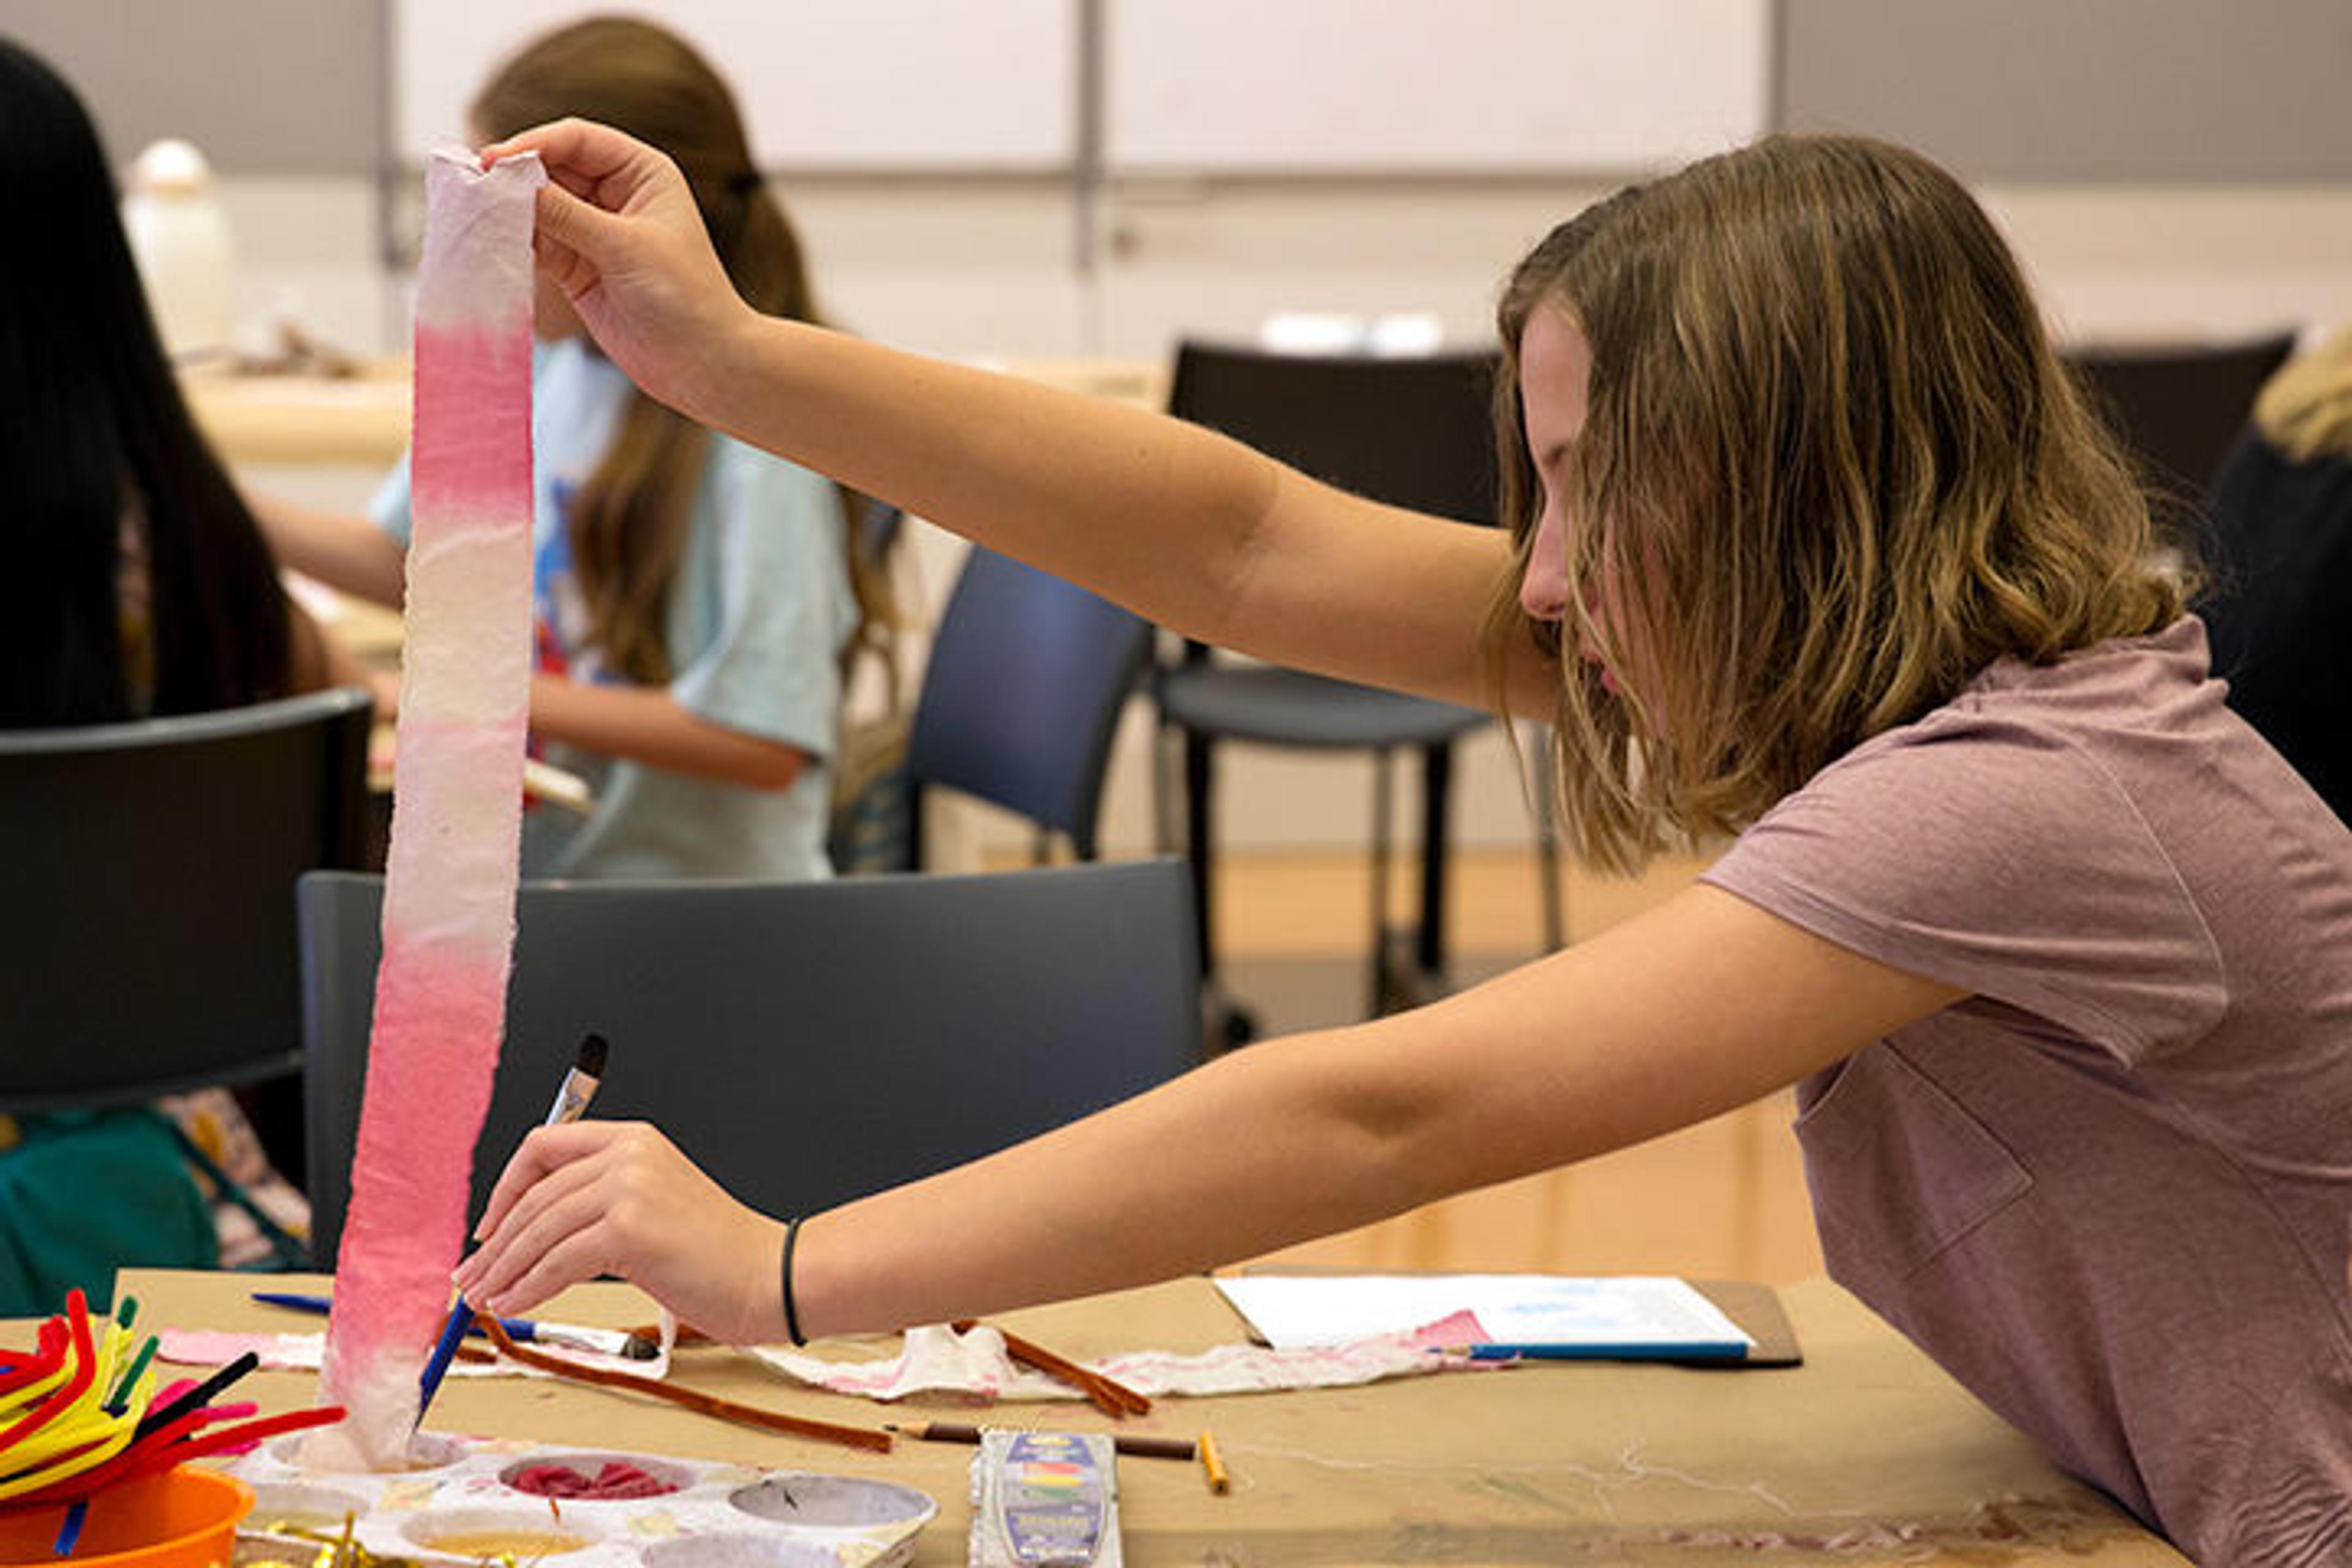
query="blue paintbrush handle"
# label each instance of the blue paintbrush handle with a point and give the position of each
(523, 1329)
(437, 1365)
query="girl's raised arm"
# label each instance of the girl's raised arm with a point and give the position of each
(1187, 528)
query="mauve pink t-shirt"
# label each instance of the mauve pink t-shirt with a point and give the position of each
(2110, 1193)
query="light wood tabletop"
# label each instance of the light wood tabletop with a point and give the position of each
(359, 420)
(1865, 1454)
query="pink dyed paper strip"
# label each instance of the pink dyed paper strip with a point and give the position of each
(448, 910)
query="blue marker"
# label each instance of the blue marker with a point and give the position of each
(1693, 1349)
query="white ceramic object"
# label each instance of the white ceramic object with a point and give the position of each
(178, 232)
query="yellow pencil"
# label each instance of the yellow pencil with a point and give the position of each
(1214, 1465)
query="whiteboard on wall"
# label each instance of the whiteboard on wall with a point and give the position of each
(880, 85)
(1325, 86)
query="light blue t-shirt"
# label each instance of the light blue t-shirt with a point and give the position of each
(759, 614)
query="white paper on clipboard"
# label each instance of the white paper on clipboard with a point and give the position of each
(1627, 1315)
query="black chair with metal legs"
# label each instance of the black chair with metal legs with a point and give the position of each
(147, 939)
(1414, 431)
(1021, 698)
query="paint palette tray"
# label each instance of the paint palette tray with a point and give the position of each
(512, 1502)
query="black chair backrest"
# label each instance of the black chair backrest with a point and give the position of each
(1414, 431)
(147, 938)
(1021, 695)
(804, 1042)
(2178, 407)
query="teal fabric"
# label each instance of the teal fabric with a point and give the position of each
(86, 1193)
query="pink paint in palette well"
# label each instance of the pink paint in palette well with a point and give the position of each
(448, 912)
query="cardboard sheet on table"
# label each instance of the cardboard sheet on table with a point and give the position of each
(1600, 1461)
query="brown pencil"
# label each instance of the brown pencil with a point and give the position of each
(1125, 1443)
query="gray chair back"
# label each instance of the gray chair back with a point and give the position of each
(804, 1043)
(1414, 431)
(1021, 695)
(147, 933)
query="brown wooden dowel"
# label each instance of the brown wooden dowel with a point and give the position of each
(866, 1437)
(1110, 1396)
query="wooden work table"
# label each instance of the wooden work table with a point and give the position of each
(360, 420)
(1865, 1454)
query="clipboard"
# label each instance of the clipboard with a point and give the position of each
(1754, 1307)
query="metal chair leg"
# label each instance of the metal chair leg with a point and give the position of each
(1384, 980)
(1553, 901)
(1436, 798)
(1198, 764)
(1224, 1023)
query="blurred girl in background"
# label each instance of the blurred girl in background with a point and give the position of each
(696, 596)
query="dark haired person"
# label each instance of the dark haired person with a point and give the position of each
(138, 584)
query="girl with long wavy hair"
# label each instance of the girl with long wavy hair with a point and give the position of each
(696, 596)
(1811, 543)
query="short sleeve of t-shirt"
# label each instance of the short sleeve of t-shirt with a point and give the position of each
(763, 605)
(388, 508)
(2001, 856)
(758, 641)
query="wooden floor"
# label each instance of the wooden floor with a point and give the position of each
(1722, 1200)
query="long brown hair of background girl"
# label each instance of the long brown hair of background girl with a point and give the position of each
(1832, 469)
(630, 519)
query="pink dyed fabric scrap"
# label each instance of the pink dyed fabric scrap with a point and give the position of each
(937, 1361)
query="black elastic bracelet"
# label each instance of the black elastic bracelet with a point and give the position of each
(792, 1312)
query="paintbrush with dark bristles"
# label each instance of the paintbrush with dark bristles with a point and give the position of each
(571, 1099)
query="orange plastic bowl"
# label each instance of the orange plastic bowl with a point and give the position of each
(184, 1517)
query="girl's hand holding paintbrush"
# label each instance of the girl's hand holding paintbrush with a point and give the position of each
(617, 1197)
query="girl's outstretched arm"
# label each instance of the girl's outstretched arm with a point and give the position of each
(1700, 1005)
(343, 549)
(646, 724)
(1191, 529)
